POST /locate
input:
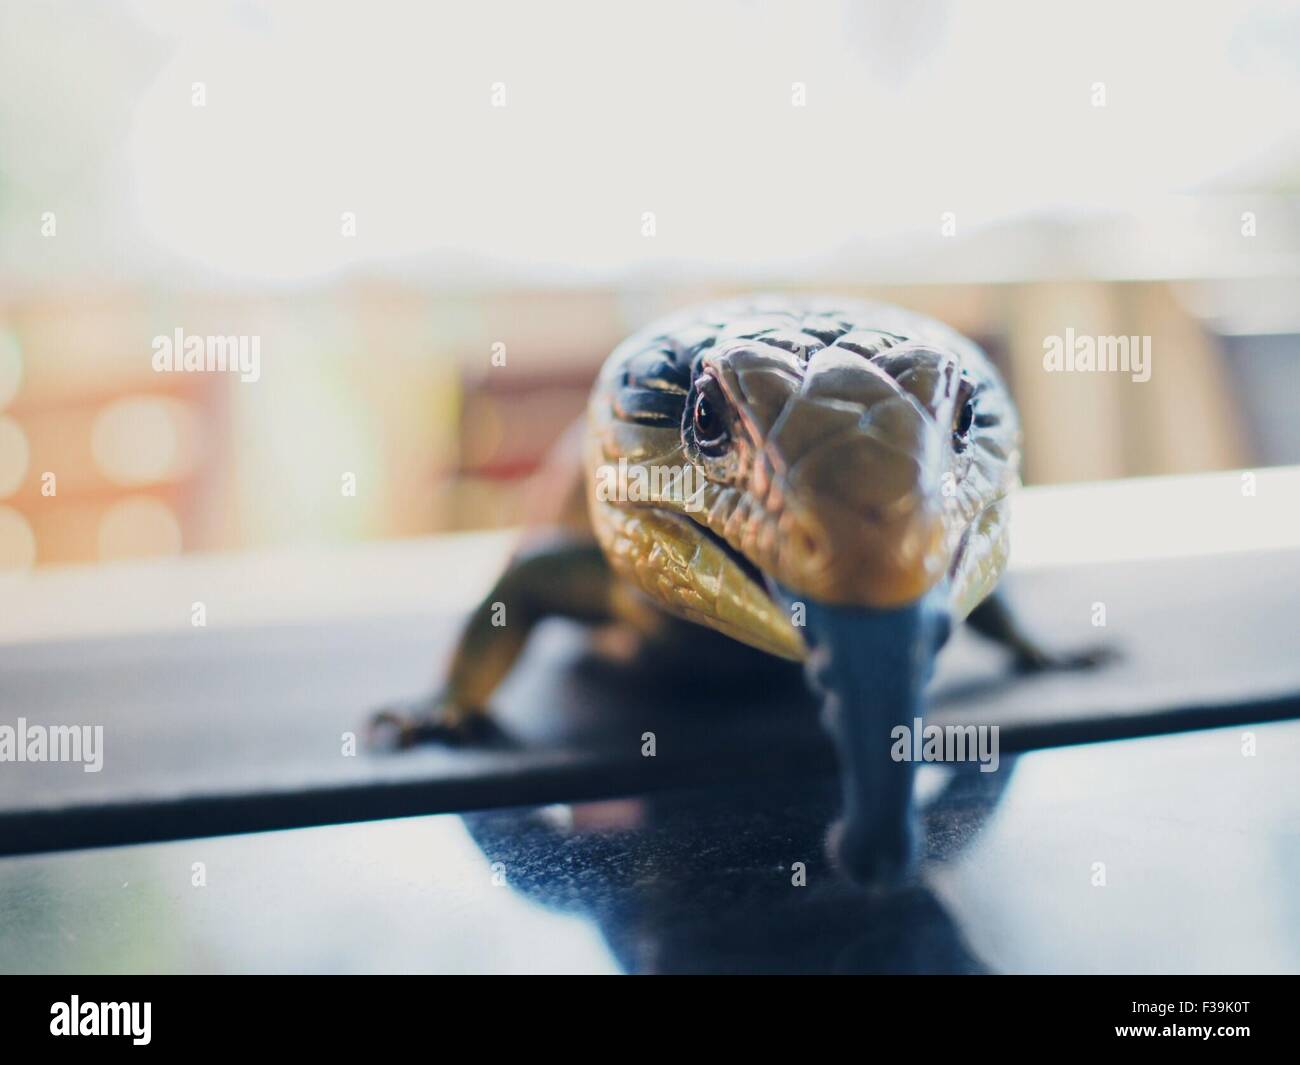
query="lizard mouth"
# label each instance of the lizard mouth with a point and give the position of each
(738, 558)
(692, 571)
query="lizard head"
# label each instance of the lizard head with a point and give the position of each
(850, 454)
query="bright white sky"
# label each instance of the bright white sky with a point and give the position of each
(683, 109)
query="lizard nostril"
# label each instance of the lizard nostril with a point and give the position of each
(810, 544)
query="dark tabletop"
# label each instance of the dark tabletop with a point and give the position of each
(1129, 833)
(243, 729)
(1200, 845)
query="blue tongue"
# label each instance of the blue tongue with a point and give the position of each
(870, 668)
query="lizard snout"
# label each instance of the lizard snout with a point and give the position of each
(857, 463)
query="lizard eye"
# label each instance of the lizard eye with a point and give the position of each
(708, 419)
(964, 418)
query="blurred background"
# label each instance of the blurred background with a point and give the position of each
(387, 195)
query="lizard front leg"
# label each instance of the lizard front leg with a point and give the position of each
(566, 578)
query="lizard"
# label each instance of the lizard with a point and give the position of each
(824, 480)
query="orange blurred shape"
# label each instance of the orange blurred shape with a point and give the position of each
(17, 542)
(139, 527)
(14, 455)
(145, 440)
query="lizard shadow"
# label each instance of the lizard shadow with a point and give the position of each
(734, 879)
(694, 871)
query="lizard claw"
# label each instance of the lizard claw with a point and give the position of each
(428, 720)
(392, 730)
(1040, 660)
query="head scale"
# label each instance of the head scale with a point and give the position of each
(855, 453)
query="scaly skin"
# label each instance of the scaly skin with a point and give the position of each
(844, 477)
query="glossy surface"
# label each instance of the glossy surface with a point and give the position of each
(1200, 844)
